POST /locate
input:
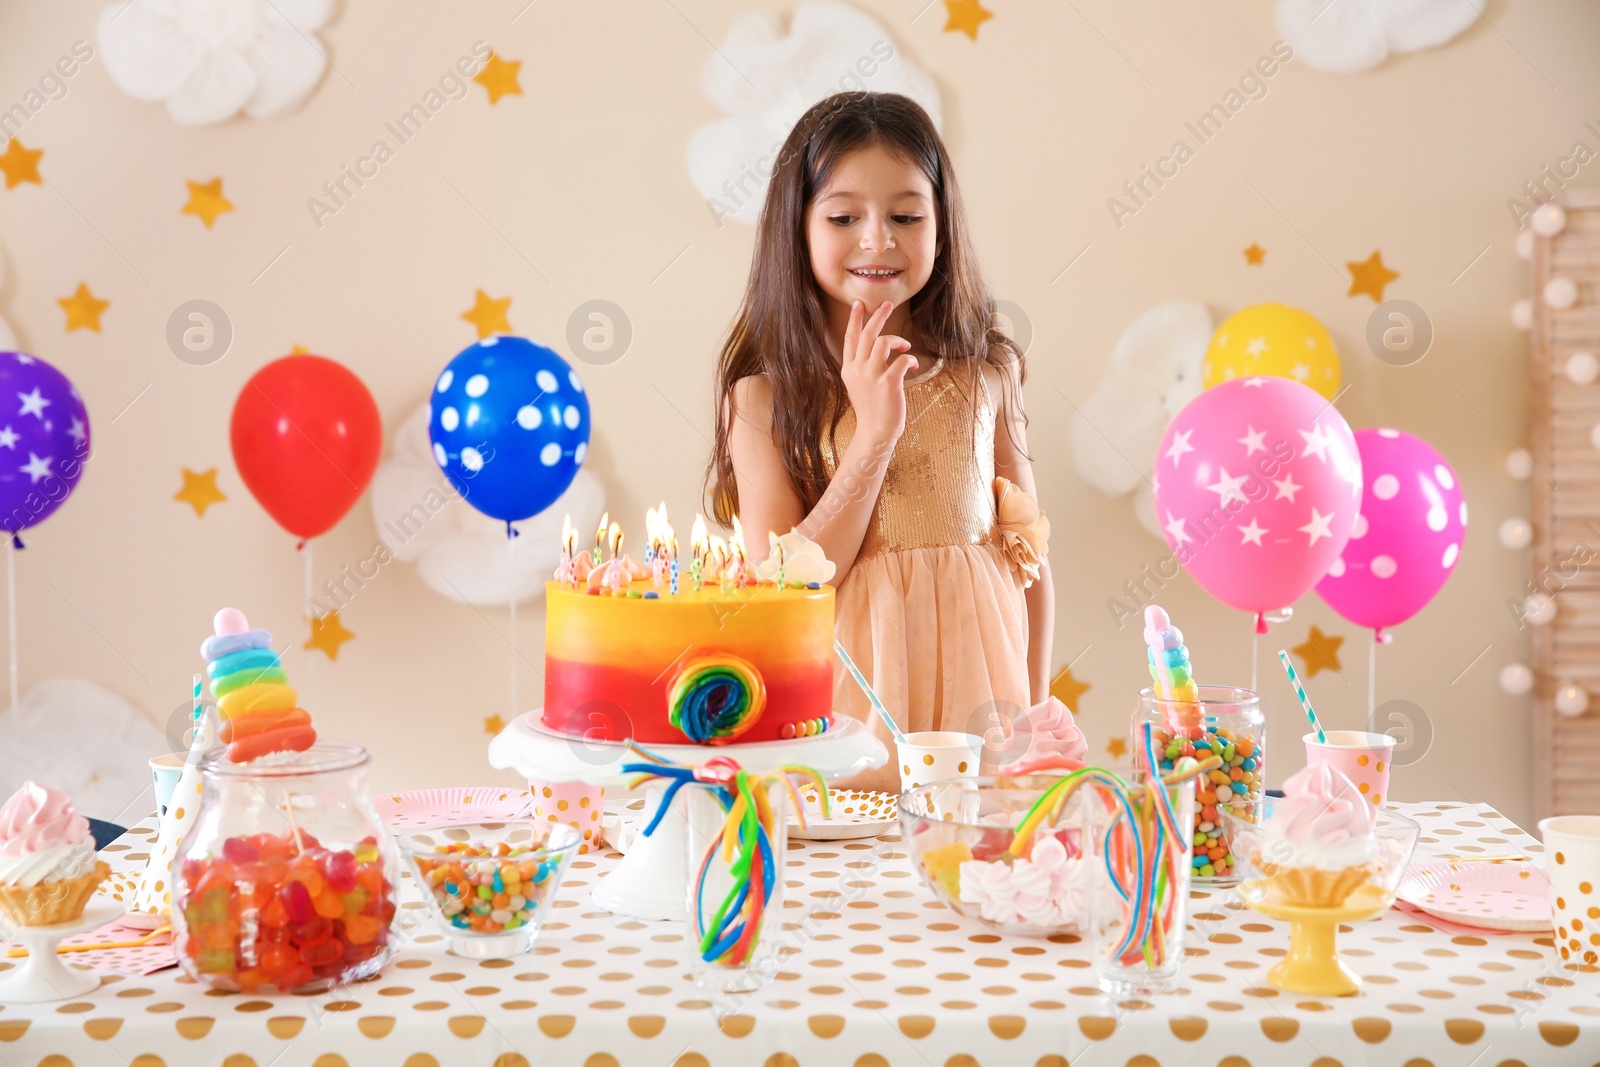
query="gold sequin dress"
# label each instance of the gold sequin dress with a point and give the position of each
(933, 611)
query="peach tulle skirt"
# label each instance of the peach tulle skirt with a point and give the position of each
(942, 635)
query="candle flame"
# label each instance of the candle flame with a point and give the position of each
(697, 536)
(600, 534)
(569, 536)
(615, 539)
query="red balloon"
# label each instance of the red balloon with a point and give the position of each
(306, 438)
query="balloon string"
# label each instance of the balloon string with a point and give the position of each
(511, 586)
(1372, 688)
(1255, 655)
(11, 620)
(310, 608)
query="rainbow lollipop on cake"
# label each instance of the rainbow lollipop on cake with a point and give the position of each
(258, 707)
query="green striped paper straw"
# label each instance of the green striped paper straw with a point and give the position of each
(872, 698)
(1300, 691)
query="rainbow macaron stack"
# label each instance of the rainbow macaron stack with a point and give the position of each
(259, 708)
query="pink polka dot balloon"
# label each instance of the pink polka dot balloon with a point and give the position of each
(1407, 538)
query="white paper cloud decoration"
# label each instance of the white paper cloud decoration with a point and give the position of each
(459, 552)
(765, 80)
(85, 740)
(207, 60)
(1348, 36)
(1154, 371)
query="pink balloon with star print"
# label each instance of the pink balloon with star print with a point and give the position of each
(1258, 486)
(1408, 538)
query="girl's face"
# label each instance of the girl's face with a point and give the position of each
(872, 231)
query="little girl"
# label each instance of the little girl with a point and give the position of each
(867, 400)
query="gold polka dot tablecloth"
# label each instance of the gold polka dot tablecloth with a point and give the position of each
(875, 973)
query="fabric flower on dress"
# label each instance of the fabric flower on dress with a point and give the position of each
(1024, 529)
(209, 59)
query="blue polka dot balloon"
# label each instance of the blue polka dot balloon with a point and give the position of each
(509, 421)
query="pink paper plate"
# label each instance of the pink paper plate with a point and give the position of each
(437, 807)
(1489, 896)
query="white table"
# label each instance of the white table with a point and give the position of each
(879, 974)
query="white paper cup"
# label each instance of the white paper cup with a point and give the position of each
(164, 772)
(1572, 861)
(934, 755)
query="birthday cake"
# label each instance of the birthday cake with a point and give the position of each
(719, 653)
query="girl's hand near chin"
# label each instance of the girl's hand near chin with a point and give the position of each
(874, 376)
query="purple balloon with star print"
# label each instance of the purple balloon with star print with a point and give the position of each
(44, 441)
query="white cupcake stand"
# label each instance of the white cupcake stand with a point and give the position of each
(42, 977)
(652, 881)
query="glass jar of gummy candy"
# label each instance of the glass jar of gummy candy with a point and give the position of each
(286, 881)
(1228, 724)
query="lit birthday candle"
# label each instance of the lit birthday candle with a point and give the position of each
(613, 580)
(569, 547)
(600, 536)
(697, 548)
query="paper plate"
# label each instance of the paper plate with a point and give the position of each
(436, 807)
(1489, 896)
(855, 813)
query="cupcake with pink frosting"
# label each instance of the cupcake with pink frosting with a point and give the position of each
(1319, 845)
(48, 865)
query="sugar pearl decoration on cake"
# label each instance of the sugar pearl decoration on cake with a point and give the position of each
(805, 728)
(1516, 679)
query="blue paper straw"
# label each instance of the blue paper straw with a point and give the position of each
(872, 698)
(1300, 691)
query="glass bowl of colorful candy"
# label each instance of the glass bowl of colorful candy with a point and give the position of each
(960, 835)
(490, 884)
(285, 883)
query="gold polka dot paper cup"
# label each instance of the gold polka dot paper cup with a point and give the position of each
(1362, 757)
(1572, 860)
(577, 804)
(936, 755)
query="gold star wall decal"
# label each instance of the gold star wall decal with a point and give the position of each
(1370, 277)
(489, 315)
(1117, 747)
(965, 16)
(83, 309)
(299, 350)
(1067, 689)
(493, 724)
(206, 201)
(21, 164)
(1319, 652)
(200, 490)
(499, 77)
(327, 634)
(1254, 254)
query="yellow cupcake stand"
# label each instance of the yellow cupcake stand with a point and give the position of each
(1313, 965)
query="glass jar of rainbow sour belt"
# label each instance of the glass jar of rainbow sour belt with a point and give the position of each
(1227, 722)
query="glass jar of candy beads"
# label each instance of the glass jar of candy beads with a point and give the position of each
(1226, 723)
(286, 881)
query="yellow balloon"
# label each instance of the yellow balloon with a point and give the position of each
(1273, 339)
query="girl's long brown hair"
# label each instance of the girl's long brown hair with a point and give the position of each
(781, 322)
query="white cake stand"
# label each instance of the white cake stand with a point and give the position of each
(42, 976)
(652, 881)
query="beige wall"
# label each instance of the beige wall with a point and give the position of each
(583, 175)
